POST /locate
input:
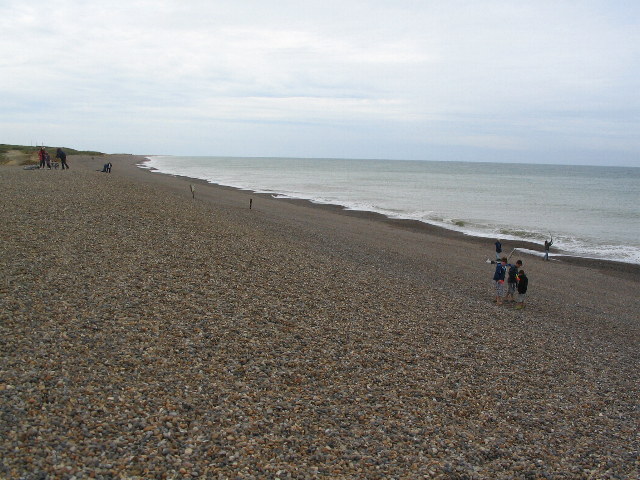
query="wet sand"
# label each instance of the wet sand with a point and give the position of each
(150, 335)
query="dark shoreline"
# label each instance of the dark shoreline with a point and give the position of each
(611, 267)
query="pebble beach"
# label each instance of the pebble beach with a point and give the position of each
(147, 334)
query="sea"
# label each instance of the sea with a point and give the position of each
(590, 211)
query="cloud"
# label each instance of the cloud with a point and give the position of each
(497, 75)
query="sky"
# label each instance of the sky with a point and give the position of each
(506, 81)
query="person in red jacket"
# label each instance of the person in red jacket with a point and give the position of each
(42, 156)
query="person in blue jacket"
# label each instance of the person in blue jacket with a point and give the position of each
(498, 279)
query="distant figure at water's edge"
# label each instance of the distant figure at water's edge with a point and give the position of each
(547, 246)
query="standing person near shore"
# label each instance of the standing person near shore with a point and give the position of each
(523, 284)
(547, 246)
(63, 158)
(498, 279)
(512, 280)
(498, 249)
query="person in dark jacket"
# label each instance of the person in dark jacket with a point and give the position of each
(523, 284)
(498, 249)
(547, 246)
(63, 158)
(512, 280)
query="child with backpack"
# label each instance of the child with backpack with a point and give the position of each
(498, 279)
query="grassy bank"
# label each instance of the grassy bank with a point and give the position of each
(28, 155)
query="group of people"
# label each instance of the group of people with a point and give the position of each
(516, 281)
(45, 159)
(516, 278)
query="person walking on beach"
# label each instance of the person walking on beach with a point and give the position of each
(41, 157)
(63, 158)
(523, 284)
(498, 249)
(512, 280)
(547, 246)
(47, 159)
(498, 279)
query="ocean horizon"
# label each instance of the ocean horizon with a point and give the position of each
(591, 211)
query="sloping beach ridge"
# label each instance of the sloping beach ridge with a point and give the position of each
(148, 334)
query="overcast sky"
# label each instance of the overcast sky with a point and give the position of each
(514, 81)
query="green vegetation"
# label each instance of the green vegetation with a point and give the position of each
(23, 155)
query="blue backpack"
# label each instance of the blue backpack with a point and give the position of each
(500, 271)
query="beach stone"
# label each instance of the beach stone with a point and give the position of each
(158, 337)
